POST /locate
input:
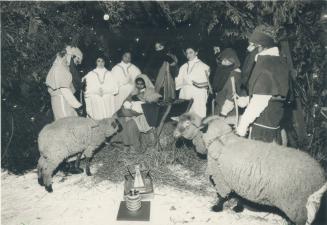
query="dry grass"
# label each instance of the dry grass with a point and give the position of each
(178, 167)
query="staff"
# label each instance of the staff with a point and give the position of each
(235, 99)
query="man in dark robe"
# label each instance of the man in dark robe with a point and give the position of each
(155, 61)
(268, 88)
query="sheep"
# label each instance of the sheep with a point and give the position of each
(263, 173)
(67, 137)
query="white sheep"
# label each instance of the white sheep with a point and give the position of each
(264, 173)
(67, 137)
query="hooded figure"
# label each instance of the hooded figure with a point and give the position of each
(222, 85)
(143, 92)
(268, 88)
(60, 86)
(155, 61)
(165, 83)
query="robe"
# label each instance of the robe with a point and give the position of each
(268, 88)
(192, 80)
(61, 89)
(99, 95)
(125, 75)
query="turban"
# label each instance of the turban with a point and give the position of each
(262, 38)
(74, 51)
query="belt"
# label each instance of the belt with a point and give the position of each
(268, 127)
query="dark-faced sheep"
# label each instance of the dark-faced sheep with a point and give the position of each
(67, 137)
(263, 173)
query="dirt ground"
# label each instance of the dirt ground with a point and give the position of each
(82, 200)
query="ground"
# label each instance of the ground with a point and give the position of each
(182, 195)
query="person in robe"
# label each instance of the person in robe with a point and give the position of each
(60, 86)
(268, 88)
(193, 82)
(124, 73)
(131, 115)
(101, 88)
(165, 83)
(227, 67)
(155, 60)
(248, 65)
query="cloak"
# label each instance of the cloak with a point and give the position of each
(247, 67)
(269, 76)
(166, 81)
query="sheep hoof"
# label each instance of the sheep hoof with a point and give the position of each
(75, 170)
(49, 188)
(238, 208)
(88, 173)
(218, 207)
(40, 181)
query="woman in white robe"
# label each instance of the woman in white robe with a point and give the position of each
(100, 90)
(125, 73)
(60, 86)
(193, 82)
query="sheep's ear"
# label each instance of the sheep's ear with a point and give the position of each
(175, 118)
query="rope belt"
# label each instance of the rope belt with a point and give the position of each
(267, 127)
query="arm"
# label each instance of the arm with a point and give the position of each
(70, 98)
(256, 106)
(179, 79)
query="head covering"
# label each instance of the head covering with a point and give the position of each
(261, 36)
(150, 95)
(231, 56)
(74, 51)
(223, 72)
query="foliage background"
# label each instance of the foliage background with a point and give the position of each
(33, 32)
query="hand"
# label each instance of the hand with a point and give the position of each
(241, 130)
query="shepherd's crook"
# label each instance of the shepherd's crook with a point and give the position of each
(235, 100)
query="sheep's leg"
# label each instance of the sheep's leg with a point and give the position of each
(234, 204)
(218, 207)
(76, 169)
(88, 154)
(87, 167)
(40, 170)
(223, 193)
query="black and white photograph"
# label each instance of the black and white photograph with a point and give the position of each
(163, 112)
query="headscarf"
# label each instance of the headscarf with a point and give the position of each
(223, 72)
(73, 51)
(150, 95)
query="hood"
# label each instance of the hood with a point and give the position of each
(231, 55)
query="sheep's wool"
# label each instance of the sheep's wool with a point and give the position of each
(199, 144)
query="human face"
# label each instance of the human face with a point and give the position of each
(100, 63)
(158, 46)
(191, 54)
(226, 62)
(251, 46)
(140, 84)
(127, 57)
(77, 60)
